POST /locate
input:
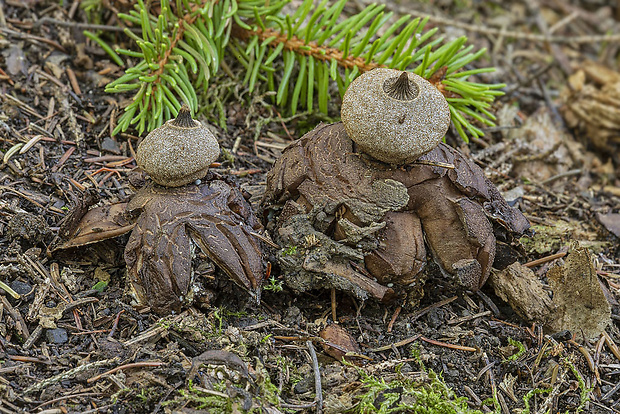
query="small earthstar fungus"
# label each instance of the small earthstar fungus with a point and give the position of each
(178, 152)
(188, 206)
(359, 204)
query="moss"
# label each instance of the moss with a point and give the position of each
(426, 396)
(548, 239)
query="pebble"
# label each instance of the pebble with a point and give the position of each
(305, 385)
(57, 336)
(110, 145)
(20, 287)
(292, 316)
(435, 318)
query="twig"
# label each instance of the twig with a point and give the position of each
(24, 358)
(435, 164)
(484, 370)
(488, 31)
(33, 337)
(265, 239)
(317, 378)
(487, 300)
(115, 325)
(68, 374)
(66, 397)
(397, 344)
(586, 355)
(562, 175)
(393, 320)
(469, 317)
(611, 345)
(126, 366)
(298, 406)
(473, 395)
(546, 259)
(424, 311)
(446, 345)
(5, 188)
(21, 35)
(77, 25)
(17, 317)
(597, 357)
(155, 330)
(333, 300)
(611, 392)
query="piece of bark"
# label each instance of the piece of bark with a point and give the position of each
(581, 304)
(521, 288)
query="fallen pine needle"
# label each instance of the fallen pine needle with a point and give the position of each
(126, 366)
(451, 346)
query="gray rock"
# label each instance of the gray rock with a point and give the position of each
(20, 287)
(57, 336)
(110, 145)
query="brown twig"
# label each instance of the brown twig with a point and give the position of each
(446, 345)
(397, 344)
(126, 366)
(611, 345)
(587, 356)
(17, 317)
(115, 324)
(546, 259)
(81, 26)
(24, 358)
(66, 397)
(333, 300)
(21, 35)
(4, 76)
(393, 319)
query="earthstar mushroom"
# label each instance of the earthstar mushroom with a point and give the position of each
(171, 222)
(378, 219)
(178, 152)
(394, 116)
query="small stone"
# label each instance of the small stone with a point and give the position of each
(305, 385)
(514, 196)
(435, 318)
(20, 287)
(110, 145)
(57, 336)
(291, 316)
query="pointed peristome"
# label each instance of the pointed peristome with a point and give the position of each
(184, 118)
(401, 88)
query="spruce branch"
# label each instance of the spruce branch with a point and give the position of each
(298, 56)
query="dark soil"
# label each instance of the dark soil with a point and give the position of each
(76, 341)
